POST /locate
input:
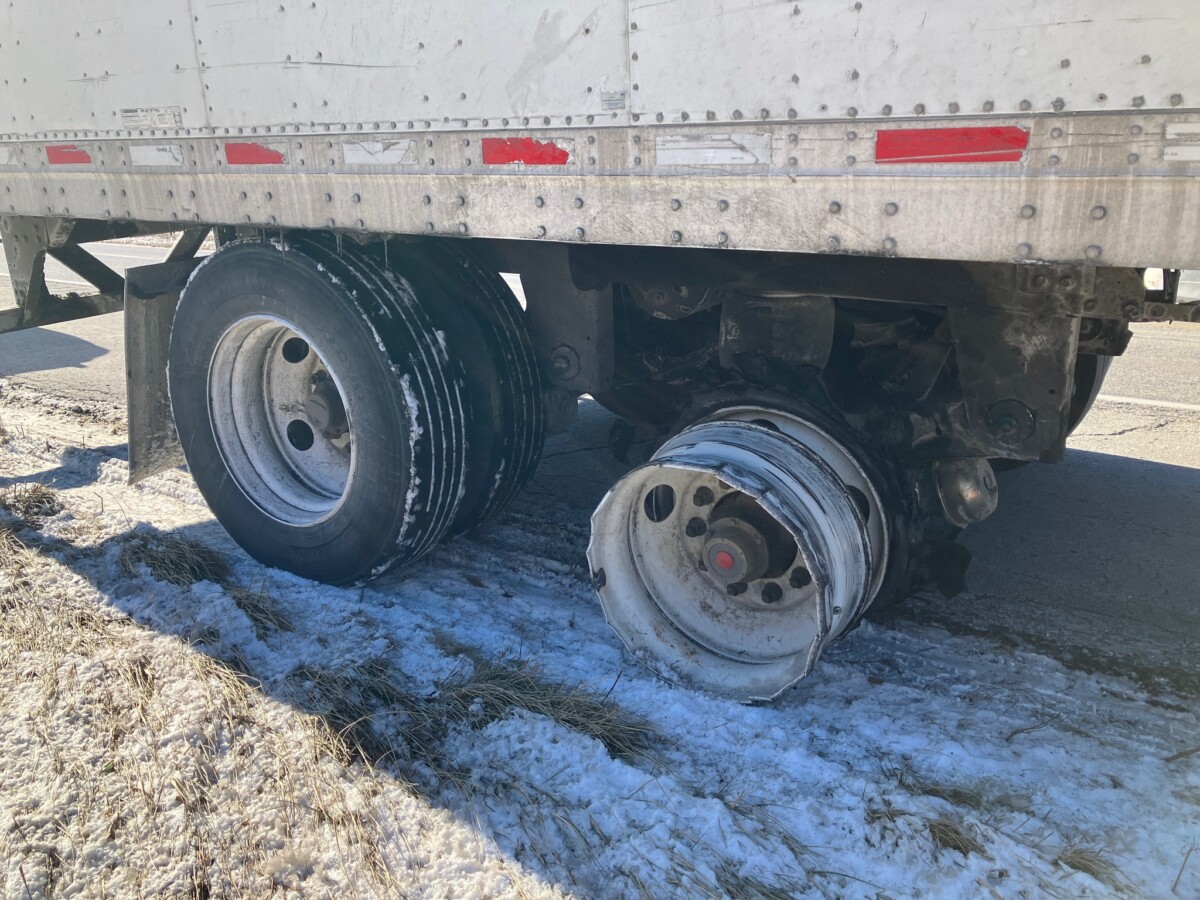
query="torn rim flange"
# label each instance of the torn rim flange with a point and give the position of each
(713, 497)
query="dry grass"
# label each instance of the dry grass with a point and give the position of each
(952, 794)
(31, 503)
(172, 558)
(487, 691)
(948, 834)
(5, 435)
(262, 610)
(1093, 863)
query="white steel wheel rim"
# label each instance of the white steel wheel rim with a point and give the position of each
(263, 372)
(677, 620)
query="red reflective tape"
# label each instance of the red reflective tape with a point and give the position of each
(1004, 143)
(67, 155)
(253, 155)
(505, 151)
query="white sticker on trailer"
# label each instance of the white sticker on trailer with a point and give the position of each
(168, 156)
(1183, 142)
(736, 149)
(380, 153)
(6, 156)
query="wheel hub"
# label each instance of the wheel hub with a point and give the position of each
(735, 552)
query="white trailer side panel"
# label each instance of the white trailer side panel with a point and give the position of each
(1057, 130)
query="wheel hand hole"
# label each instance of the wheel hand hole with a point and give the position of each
(300, 435)
(295, 350)
(660, 503)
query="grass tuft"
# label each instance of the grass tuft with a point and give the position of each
(487, 691)
(950, 835)
(177, 560)
(31, 503)
(1093, 863)
(262, 610)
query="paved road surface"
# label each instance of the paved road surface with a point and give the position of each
(1092, 560)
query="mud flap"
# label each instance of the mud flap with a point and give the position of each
(151, 295)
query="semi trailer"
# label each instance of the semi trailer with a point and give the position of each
(836, 261)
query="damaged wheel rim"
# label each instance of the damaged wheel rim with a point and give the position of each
(280, 420)
(738, 552)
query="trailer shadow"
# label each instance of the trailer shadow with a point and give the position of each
(41, 349)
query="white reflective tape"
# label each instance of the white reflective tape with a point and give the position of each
(157, 155)
(6, 156)
(380, 153)
(737, 149)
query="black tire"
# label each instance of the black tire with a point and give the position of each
(408, 466)
(484, 326)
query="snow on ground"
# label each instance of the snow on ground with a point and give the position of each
(159, 738)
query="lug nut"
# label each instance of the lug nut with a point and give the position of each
(703, 496)
(695, 527)
(772, 593)
(736, 589)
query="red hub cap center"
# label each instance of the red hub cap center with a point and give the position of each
(724, 560)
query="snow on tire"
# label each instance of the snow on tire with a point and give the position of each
(320, 415)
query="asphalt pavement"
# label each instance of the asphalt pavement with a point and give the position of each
(1090, 560)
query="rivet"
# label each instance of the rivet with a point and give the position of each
(1054, 160)
(954, 107)
(658, 117)
(919, 109)
(852, 135)
(793, 138)
(852, 112)
(429, 226)
(1066, 64)
(887, 109)
(889, 244)
(579, 203)
(1058, 104)
(1056, 133)
(541, 230)
(1133, 157)
(462, 227)
(1139, 102)
(539, 202)
(1028, 211)
(835, 207)
(357, 198)
(462, 201)
(722, 238)
(891, 209)
(850, 160)
(793, 161)
(989, 105)
(834, 242)
(579, 232)
(1099, 212)
(676, 205)
(1136, 129)
(737, 114)
(722, 205)
(1145, 60)
(1094, 252)
(1176, 99)
(676, 236)
(1024, 250)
